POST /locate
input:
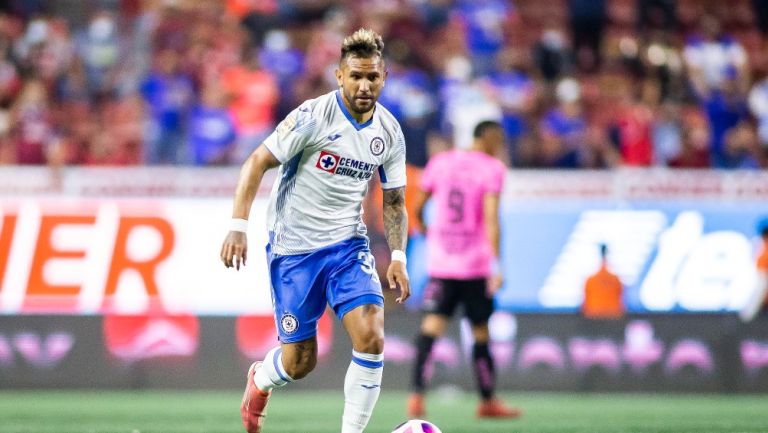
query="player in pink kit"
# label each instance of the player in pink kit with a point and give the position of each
(463, 257)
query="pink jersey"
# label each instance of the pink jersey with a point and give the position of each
(458, 247)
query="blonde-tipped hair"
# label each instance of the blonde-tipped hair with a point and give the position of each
(364, 43)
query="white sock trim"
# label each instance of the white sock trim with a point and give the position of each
(272, 373)
(277, 364)
(368, 360)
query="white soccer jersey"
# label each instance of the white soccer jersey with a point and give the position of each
(327, 159)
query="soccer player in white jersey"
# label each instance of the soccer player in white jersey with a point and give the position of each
(327, 150)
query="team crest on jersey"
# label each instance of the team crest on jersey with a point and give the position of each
(327, 162)
(377, 146)
(289, 323)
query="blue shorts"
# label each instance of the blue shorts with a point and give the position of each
(342, 275)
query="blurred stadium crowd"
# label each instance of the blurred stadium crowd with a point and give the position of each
(576, 83)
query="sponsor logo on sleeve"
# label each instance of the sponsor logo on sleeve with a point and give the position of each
(286, 126)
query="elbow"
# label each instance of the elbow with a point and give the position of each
(260, 161)
(257, 161)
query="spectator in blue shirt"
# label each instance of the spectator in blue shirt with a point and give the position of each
(725, 107)
(516, 93)
(168, 91)
(409, 96)
(563, 128)
(212, 130)
(485, 22)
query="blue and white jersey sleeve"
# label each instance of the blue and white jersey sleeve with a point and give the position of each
(392, 171)
(293, 134)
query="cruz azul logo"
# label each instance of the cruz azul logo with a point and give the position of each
(327, 162)
(377, 146)
(344, 166)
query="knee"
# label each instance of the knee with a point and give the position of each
(299, 366)
(481, 333)
(371, 342)
(433, 325)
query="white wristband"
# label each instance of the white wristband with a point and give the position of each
(238, 225)
(399, 255)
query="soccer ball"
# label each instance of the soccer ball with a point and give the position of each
(416, 426)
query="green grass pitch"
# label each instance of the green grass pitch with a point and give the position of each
(293, 411)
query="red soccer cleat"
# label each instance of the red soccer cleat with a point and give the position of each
(496, 409)
(415, 406)
(253, 409)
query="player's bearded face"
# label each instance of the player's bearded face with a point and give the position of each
(361, 81)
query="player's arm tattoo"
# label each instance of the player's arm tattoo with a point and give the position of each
(395, 218)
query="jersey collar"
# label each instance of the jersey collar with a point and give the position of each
(348, 115)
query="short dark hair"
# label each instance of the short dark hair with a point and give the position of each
(484, 126)
(364, 43)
